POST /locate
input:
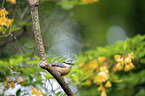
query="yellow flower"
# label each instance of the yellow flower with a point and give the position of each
(93, 64)
(3, 12)
(131, 65)
(121, 60)
(9, 22)
(12, 1)
(108, 84)
(101, 77)
(131, 55)
(95, 0)
(86, 68)
(89, 1)
(34, 91)
(119, 66)
(12, 84)
(117, 57)
(102, 59)
(88, 82)
(127, 68)
(38, 93)
(104, 69)
(82, 64)
(3, 21)
(103, 93)
(127, 60)
(100, 87)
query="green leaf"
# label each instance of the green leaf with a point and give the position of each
(62, 59)
(141, 92)
(28, 54)
(16, 60)
(14, 28)
(87, 75)
(36, 57)
(66, 4)
(11, 61)
(49, 76)
(58, 93)
(26, 58)
(51, 59)
(4, 68)
(3, 62)
(18, 92)
(142, 61)
(33, 62)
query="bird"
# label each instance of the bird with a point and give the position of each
(62, 68)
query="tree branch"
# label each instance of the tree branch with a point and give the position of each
(38, 38)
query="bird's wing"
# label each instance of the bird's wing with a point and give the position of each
(69, 63)
(58, 65)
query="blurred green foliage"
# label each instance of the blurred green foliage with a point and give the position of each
(127, 83)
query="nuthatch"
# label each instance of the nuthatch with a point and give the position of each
(62, 68)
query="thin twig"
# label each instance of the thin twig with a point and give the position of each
(24, 12)
(3, 4)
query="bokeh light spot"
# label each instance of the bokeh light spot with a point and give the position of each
(114, 34)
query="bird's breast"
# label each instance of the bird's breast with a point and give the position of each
(62, 71)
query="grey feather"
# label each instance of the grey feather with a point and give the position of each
(69, 63)
(58, 65)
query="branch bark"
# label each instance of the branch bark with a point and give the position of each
(38, 38)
